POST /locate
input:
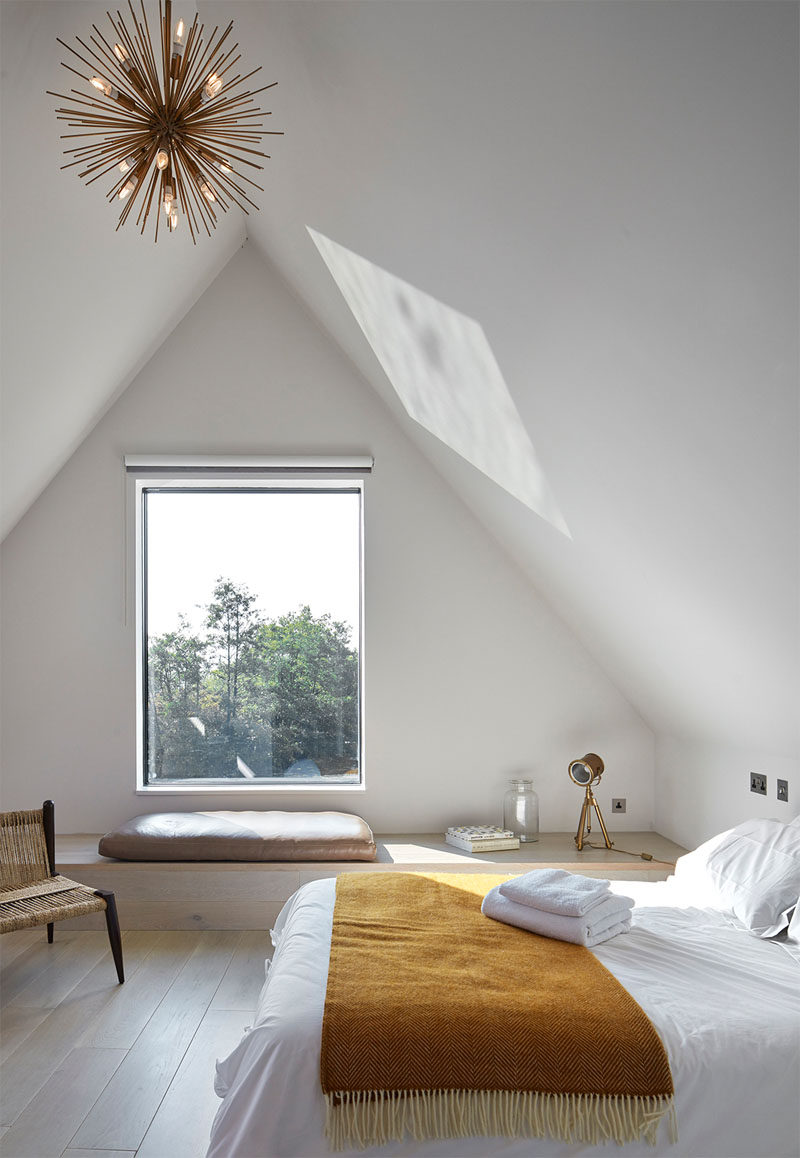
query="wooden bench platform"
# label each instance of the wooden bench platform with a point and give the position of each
(240, 895)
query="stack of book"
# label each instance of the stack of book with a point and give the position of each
(481, 837)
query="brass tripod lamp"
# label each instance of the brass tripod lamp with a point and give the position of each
(586, 772)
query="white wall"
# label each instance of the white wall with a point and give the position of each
(470, 678)
(704, 788)
(635, 270)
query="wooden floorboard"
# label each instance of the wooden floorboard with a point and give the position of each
(17, 1022)
(62, 972)
(12, 944)
(123, 1071)
(129, 1103)
(244, 977)
(45, 1127)
(133, 1004)
(182, 1125)
(26, 966)
(33, 1062)
(70, 1153)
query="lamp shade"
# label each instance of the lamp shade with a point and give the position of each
(587, 770)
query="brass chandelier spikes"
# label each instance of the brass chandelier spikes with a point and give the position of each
(177, 132)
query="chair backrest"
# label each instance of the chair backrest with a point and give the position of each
(24, 847)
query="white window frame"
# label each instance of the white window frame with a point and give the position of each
(184, 472)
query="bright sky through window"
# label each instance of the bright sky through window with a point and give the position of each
(195, 538)
(445, 374)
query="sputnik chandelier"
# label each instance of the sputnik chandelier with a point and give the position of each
(176, 130)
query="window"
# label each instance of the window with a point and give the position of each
(249, 596)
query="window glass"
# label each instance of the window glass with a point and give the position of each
(251, 616)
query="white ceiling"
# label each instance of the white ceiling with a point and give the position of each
(610, 190)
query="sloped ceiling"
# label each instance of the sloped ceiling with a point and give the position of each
(609, 189)
(83, 307)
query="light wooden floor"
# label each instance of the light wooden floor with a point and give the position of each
(93, 1069)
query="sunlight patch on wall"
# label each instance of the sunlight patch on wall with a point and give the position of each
(445, 374)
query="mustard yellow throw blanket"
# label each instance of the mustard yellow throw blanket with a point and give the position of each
(441, 1023)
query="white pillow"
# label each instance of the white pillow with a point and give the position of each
(753, 870)
(793, 932)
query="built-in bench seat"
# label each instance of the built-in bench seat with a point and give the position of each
(249, 895)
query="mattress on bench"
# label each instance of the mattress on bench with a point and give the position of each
(241, 836)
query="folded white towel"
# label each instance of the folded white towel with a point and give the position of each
(604, 922)
(556, 891)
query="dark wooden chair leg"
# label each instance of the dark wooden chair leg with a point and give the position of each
(49, 824)
(112, 924)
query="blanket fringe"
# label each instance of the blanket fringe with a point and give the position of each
(361, 1118)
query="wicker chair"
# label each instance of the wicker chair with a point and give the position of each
(33, 893)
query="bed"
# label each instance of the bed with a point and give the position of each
(713, 959)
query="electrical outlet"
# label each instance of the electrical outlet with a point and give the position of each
(758, 783)
(618, 803)
(783, 790)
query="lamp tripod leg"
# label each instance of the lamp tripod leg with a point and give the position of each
(602, 822)
(582, 821)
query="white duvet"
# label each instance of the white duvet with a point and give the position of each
(726, 1005)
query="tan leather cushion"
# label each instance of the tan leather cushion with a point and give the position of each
(245, 836)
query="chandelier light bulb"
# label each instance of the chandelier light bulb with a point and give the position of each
(102, 85)
(223, 166)
(173, 220)
(179, 35)
(212, 86)
(207, 191)
(128, 187)
(123, 56)
(127, 164)
(162, 159)
(169, 197)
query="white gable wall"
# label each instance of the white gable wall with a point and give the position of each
(470, 677)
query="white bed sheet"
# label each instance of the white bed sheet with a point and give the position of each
(726, 1005)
